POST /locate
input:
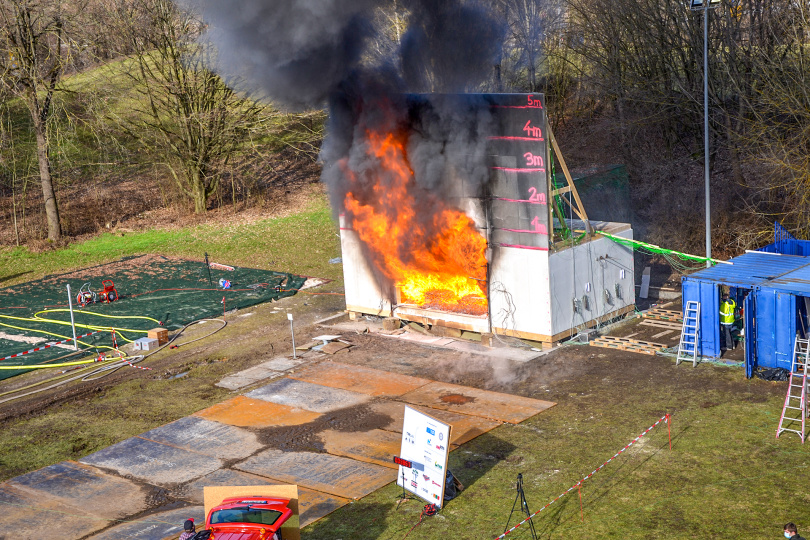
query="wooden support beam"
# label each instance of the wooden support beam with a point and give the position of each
(572, 188)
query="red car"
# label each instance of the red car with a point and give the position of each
(248, 518)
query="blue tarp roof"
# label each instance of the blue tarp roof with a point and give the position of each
(756, 268)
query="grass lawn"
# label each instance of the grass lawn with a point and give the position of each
(301, 243)
(725, 477)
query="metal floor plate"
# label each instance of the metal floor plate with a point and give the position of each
(373, 382)
(18, 507)
(153, 462)
(158, 526)
(467, 400)
(465, 427)
(374, 446)
(256, 413)
(304, 395)
(206, 437)
(85, 488)
(344, 477)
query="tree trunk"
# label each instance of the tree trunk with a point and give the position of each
(48, 195)
(198, 190)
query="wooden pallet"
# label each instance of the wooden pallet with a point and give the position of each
(654, 323)
(664, 314)
(627, 344)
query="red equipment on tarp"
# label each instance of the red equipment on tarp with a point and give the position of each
(87, 297)
(109, 294)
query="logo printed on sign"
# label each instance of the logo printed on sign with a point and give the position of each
(428, 441)
(435, 496)
(439, 447)
(441, 435)
(431, 431)
(435, 484)
(414, 484)
(426, 477)
(436, 464)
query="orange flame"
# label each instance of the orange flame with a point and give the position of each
(432, 252)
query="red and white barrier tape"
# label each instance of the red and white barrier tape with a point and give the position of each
(133, 365)
(578, 484)
(47, 346)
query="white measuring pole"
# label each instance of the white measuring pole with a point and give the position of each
(72, 324)
(292, 331)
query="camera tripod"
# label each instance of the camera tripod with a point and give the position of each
(524, 506)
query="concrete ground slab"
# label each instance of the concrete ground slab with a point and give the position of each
(206, 437)
(84, 487)
(256, 413)
(312, 504)
(465, 427)
(27, 516)
(472, 401)
(309, 396)
(373, 382)
(335, 475)
(373, 446)
(158, 526)
(153, 462)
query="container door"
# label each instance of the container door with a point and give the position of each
(775, 328)
(785, 329)
(749, 332)
(708, 294)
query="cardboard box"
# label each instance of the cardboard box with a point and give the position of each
(145, 344)
(160, 334)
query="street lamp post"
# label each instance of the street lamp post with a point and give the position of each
(705, 5)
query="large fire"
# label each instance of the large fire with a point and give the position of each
(432, 252)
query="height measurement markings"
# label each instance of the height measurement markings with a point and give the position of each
(531, 103)
(533, 133)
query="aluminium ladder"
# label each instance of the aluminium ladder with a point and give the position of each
(690, 331)
(796, 400)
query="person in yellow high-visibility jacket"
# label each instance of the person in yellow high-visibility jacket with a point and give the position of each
(727, 307)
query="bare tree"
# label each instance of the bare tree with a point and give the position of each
(34, 52)
(188, 112)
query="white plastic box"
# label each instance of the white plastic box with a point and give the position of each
(145, 344)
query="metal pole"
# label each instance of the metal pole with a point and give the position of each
(292, 331)
(706, 128)
(72, 324)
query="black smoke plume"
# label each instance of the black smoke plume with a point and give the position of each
(307, 53)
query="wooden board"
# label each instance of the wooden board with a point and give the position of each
(627, 344)
(662, 324)
(664, 314)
